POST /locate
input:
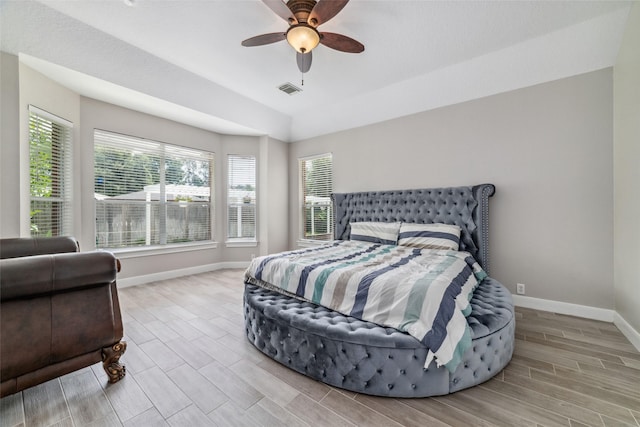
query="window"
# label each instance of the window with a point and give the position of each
(317, 207)
(49, 174)
(150, 193)
(241, 198)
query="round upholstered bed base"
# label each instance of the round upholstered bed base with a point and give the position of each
(366, 358)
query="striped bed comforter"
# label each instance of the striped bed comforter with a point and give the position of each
(422, 292)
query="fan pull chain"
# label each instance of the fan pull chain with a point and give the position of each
(302, 78)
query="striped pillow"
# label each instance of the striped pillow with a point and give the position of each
(375, 232)
(430, 236)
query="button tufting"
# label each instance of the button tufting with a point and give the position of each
(485, 305)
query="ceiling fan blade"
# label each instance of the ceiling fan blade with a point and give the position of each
(325, 10)
(304, 61)
(264, 39)
(341, 43)
(281, 9)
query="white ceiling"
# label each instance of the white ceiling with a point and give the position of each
(182, 59)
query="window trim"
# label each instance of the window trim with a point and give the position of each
(239, 242)
(157, 249)
(49, 116)
(64, 168)
(302, 241)
(170, 248)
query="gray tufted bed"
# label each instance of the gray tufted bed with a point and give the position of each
(364, 357)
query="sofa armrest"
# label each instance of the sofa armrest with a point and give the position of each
(30, 277)
(20, 247)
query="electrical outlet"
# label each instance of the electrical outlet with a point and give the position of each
(520, 288)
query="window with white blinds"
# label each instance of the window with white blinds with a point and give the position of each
(241, 198)
(150, 193)
(50, 180)
(316, 175)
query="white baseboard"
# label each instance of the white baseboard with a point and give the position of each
(172, 274)
(577, 310)
(627, 330)
(559, 307)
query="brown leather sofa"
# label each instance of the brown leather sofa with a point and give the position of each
(59, 311)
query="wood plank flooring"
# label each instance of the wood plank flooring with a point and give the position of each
(189, 364)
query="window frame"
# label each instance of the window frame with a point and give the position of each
(236, 241)
(166, 152)
(303, 240)
(62, 186)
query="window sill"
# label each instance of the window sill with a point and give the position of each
(124, 253)
(241, 243)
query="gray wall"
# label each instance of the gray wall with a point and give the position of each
(548, 150)
(35, 29)
(9, 146)
(22, 86)
(100, 115)
(627, 173)
(273, 207)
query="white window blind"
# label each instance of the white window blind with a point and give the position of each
(316, 175)
(50, 179)
(241, 197)
(150, 193)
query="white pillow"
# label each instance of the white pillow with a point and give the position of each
(375, 232)
(429, 236)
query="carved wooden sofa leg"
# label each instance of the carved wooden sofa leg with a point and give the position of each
(111, 361)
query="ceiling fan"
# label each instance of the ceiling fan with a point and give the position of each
(304, 17)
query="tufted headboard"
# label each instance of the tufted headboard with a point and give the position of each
(466, 207)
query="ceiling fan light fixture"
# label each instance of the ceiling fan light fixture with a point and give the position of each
(303, 38)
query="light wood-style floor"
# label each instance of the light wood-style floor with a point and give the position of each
(189, 364)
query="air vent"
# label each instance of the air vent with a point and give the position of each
(289, 89)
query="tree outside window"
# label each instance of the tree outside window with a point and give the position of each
(49, 174)
(317, 206)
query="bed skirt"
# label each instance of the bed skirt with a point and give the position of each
(363, 357)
